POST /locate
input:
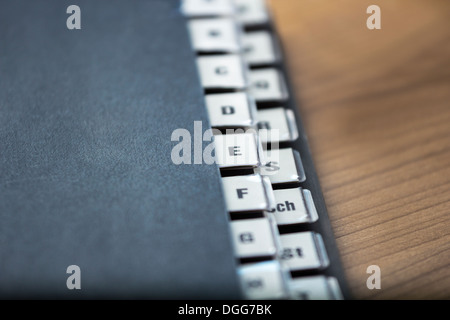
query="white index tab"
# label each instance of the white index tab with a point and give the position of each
(283, 166)
(303, 251)
(247, 193)
(267, 85)
(253, 238)
(235, 110)
(277, 125)
(237, 150)
(252, 12)
(207, 8)
(294, 206)
(259, 48)
(315, 288)
(214, 35)
(222, 72)
(262, 280)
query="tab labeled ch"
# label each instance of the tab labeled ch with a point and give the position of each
(294, 206)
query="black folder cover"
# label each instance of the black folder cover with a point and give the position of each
(86, 176)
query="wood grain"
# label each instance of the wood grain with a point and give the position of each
(376, 107)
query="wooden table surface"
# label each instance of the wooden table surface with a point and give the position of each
(376, 107)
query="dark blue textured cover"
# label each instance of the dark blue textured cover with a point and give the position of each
(86, 176)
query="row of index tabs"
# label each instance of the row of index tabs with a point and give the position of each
(237, 59)
(248, 12)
